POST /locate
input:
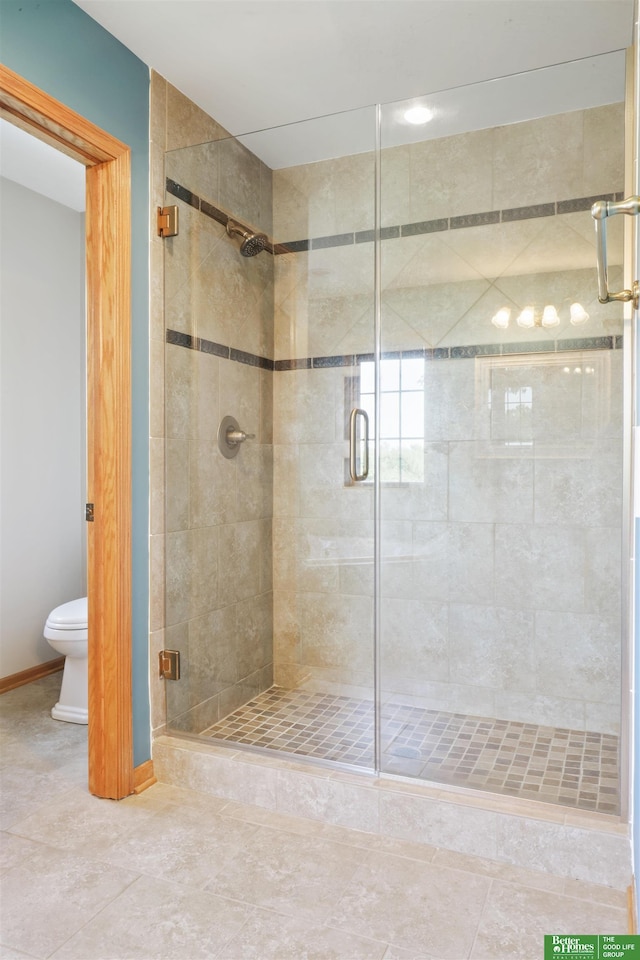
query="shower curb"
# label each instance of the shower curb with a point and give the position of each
(564, 842)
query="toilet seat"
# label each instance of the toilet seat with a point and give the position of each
(68, 621)
(69, 616)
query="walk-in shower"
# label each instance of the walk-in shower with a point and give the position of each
(452, 613)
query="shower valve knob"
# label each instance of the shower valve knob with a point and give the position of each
(238, 436)
(231, 437)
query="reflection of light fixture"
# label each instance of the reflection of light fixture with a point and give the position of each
(526, 318)
(418, 115)
(501, 318)
(550, 316)
(577, 314)
(579, 370)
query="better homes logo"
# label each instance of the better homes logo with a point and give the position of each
(570, 947)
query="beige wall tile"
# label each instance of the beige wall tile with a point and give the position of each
(452, 176)
(530, 161)
(158, 110)
(157, 486)
(187, 124)
(604, 150)
(492, 647)
(578, 656)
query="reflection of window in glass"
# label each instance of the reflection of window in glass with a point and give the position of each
(401, 416)
(518, 407)
(511, 406)
(553, 405)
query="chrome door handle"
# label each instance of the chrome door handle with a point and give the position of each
(353, 445)
(600, 210)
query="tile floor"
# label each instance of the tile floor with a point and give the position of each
(176, 875)
(570, 767)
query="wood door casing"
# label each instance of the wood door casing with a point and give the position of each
(108, 252)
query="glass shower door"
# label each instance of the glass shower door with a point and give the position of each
(501, 439)
(269, 550)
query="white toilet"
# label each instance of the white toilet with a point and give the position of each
(66, 630)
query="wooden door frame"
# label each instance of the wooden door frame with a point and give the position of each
(108, 284)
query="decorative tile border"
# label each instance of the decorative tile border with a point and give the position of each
(531, 212)
(469, 352)
(446, 223)
(217, 349)
(209, 210)
(389, 233)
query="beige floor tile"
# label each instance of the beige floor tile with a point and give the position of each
(400, 953)
(8, 954)
(413, 905)
(182, 845)
(159, 920)
(502, 871)
(24, 792)
(229, 880)
(80, 823)
(292, 874)
(271, 936)
(516, 919)
(13, 850)
(50, 895)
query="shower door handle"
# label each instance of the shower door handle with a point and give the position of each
(600, 210)
(363, 473)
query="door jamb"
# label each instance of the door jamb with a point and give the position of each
(108, 280)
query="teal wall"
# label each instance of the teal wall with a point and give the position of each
(60, 49)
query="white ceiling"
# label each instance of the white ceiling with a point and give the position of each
(41, 168)
(256, 64)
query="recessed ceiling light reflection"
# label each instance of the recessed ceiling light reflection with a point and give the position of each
(418, 115)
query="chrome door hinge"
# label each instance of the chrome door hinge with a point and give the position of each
(167, 221)
(169, 661)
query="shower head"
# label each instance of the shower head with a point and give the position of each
(250, 243)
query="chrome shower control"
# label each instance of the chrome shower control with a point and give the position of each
(231, 437)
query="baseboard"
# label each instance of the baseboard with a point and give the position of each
(143, 776)
(632, 908)
(31, 674)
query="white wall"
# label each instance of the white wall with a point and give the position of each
(42, 419)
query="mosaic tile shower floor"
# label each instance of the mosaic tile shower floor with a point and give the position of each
(555, 765)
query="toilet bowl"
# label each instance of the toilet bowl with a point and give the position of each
(66, 631)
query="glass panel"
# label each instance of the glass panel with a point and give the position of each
(269, 552)
(501, 496)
